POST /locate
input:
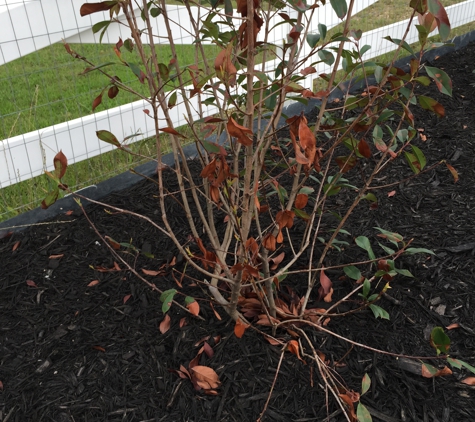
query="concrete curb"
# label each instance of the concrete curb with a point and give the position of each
(127, 179)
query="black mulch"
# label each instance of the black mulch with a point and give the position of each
(69, 352)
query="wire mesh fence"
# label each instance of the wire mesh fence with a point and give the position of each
(47, 107)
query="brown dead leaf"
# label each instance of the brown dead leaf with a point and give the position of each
(15, 245)
(93, 283)
(126, 298)
(56, 256)
(218, 317)
(151, 272)
(293, 347)
(240, 132)
(392, 193)
(325, 290)
(183, 322)
(452, 326)
(301, 201)
(273, 341)
(205, 377)
(240, 328)
(31, 283)
(100, 348)
(165, 324)
(194, 308)
(440, 373)
(469, 381)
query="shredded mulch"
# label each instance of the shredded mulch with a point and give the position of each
(71, 351)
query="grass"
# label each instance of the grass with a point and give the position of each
(43, 89)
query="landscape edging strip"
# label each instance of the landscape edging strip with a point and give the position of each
(127, 179)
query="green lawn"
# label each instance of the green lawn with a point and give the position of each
(44, 88)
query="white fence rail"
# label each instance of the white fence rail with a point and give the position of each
(24, 156)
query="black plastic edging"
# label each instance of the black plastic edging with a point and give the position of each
(128, 179)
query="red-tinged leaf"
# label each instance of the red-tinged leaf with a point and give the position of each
(452, 326)
(112, 92)
(152, 272)
(346, 163)
(443, 23)
(100, 348)
(301, 201)
(115, 245)
(428, 21)
(308, 70)
(469, 381)
(183, 322)
(392, 193)
(208, 349)
(364, 149)
(240, 328)
(240, 132)
(106, 136)
(60, 164)
(172, 131)
(97, 101)
(89, 8)
(50, 199)
(146, 111)
(194, 307)
(454, 172)
(441, 79)
(165, 324)
(16, 245)
(205, 376)
(31, 283)
(428, 371)
(93, 283)
(430, 104)
(126, 299)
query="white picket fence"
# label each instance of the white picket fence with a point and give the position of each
(29, 25)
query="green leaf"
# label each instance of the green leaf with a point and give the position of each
(405, 45)
(155, 11)
(50, 198)
(166, 298)
(340, 7)
(211, 147)
(352, 272)
(365, 384)
(323, 30)
(307, 190)
(420, 156)
(423, 33)
(403, 272)
(106, 136)
(412, 161)
(439, 340)
(457, 363)
(363, 414)
(394, 238)
(228, 9)
(301, 214)
(412, 251)
(312, 39)
(389, 251)
(441, 79)
(364, 49)
(189, 300)
(363, 242)
(371, 197)
(431, 369)
(99, 25)
(366, 288)
(326, 57)
(172, 100)
(379, 312)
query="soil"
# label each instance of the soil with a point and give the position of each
(71, 351)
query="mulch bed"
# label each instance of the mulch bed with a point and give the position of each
(69, 352)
